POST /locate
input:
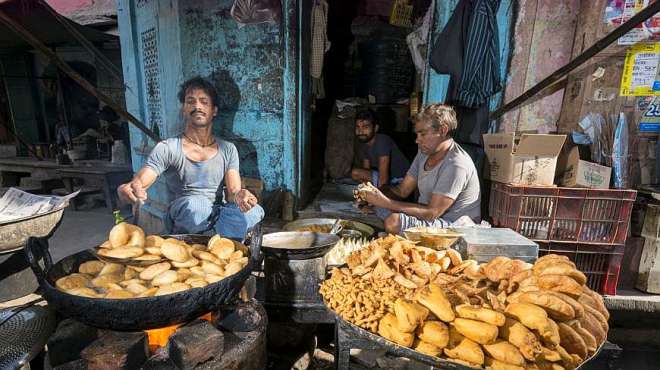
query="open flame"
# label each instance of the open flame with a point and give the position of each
(158, 337)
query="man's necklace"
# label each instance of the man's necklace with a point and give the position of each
(196, 143)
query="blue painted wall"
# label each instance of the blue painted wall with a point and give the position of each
(437, 84)
(253, 67)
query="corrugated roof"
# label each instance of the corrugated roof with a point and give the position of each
(36, 18)
(99, 13)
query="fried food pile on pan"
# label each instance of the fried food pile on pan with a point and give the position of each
(388, 268)
(187, 267)
(506, 314)
(315, 228)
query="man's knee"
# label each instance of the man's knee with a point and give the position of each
(191, 213)
(233, 223)
(393, 223)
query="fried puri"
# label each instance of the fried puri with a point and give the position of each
(91, 267)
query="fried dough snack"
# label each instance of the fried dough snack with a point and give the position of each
(554, 306)
(504, 314)
(97, 279)
(521, 337)
(467, 350)
(481, 314)
(387, 328)
(426, 348)
(409, 315)
(477, 331)
(505, 352)
(435, 333)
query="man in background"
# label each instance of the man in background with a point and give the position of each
(381, 161)
(443, 174)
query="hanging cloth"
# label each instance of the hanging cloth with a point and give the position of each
(320, 45)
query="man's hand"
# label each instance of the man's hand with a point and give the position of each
(376, 198)
(131, 192)
(245, 200)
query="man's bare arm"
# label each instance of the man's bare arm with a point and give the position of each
(436, 208)
(383, 170)
(232, 185)
(136, 189)
(405, 188)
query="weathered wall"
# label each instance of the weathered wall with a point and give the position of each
(247, 66)
(166, 42)
(543, 42)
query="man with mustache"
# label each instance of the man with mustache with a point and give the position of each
(196, 165)
(442, 172)
(382, 161)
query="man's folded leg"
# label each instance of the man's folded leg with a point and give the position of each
(232, 223)
(190, 214)
(407, 221)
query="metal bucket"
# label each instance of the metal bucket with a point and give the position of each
(294, 267)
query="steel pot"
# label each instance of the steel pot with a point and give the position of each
(136, 313)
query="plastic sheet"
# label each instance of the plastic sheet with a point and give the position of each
(256, 11)
(620, 157)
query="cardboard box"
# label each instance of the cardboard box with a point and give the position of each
(575, 172)
(531, 162)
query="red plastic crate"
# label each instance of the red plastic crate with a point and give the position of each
(555, 214)
(601, 264)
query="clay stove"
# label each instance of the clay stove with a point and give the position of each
(234, 337)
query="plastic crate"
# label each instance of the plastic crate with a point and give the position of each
(601, 264)
(555, 214)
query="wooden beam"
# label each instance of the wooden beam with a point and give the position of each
(102, 59)
(597, 47)
(62, 65)
(20, 140)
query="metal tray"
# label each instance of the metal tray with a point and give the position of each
(14, 234)
(401, 351)
(366, 230)
(395, 349)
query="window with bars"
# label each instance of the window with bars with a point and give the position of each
(151, 78)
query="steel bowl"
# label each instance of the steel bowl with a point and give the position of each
(364, 229)
(15, 233)
(297, 245)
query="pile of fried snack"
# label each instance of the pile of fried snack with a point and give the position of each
(185, 266)
(506, 314)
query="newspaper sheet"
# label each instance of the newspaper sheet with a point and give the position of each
(16, 204)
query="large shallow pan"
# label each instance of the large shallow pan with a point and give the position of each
(349, 332)
(136, 313)
(297, 245)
